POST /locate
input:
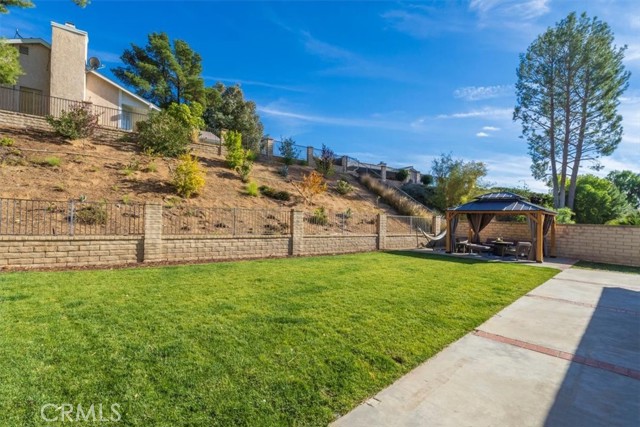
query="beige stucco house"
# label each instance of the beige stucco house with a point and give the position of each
(57, 72)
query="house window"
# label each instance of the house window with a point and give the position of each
(24, 50)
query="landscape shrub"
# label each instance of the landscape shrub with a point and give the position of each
(252, 189)
(343, 187)
(190, 116)
(6, 142)
(163, 134)
(232, 141)
(78, 122)
(325, 163)
(312, 185)
(565, 216)
(320, 216)
(284, 171)
(188, 178)
(288, 151)
(94, 214)
(402, 175)
(50, 161)
(275, 194)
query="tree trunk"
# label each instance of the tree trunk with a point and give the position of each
(552, 144)
(580, 143)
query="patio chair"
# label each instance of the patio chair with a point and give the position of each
(521, 250)
(433, 240)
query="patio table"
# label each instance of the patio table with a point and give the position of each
(500, 247)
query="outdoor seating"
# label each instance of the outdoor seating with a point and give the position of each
(521, 250)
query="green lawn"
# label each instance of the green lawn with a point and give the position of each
(268, 343)
(608, 267)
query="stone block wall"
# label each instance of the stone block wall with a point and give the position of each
(325, 245)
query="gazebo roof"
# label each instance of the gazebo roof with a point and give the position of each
(501, 202)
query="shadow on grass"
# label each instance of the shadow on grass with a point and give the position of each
(439, 257)
(607, 267)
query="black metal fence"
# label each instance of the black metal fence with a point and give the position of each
(322, 222)
(188, 220)
(35, 103)
(20, 217)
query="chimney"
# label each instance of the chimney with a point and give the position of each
(68, 61)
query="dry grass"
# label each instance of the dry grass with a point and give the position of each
(401, 204)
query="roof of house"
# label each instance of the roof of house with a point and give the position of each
(128, 92)
(501, 202)
(210, 137)
(29, 41)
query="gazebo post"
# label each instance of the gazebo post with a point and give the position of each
(553, 238)
(540, 237)
(448, 238)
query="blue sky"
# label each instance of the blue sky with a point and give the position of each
(399, 82)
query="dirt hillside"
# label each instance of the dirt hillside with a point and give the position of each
(40, 166)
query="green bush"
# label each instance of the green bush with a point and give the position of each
(252, 189)
(284, 171)
(565, 216)
(232, 141)
(78, 122)
(188, 177)
(402, 175)
(343, 187)
(274, 194)
(50, 161)
(163, 134)
(320, 216)
(190, 116)
(93, 214)
(6, 142)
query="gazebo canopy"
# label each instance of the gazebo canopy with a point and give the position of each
(508, 203)
(483, 209)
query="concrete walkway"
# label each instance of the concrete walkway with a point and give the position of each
(566, 354)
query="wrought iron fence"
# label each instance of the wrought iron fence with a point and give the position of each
(225, 221)
(322, 222)
(398, 224)
(35, 103)
(20, 217)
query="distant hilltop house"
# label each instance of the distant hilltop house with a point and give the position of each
(58, 74)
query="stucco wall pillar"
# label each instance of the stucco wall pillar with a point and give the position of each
(311, 161)
(152, 232)
(297, 233)
(383, 172)
(382, 231)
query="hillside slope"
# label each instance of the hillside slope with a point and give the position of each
(40, 166)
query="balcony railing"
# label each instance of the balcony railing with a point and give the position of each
(32, 102)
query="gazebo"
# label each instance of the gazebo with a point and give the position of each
(483, 209)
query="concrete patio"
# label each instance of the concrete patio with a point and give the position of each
(566, 354)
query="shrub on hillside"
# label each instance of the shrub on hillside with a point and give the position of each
(343, 187)
(188, 178)
(275, 194)
(320, 216)
(400, 203)
(163, 134)
(78, 122)
(190, 116)
(325, 163)
(252, 189)
(402, 175)
(6, 142)
(312, 185)
(94, 214)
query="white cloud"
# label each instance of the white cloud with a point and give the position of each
(476, 93)
(515, 9)
(421, 21)
(255, 83)
(330, 120)
(482, 135)
(487, 112)
(490, 128)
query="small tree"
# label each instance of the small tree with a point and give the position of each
(456, 180)
(78, 122)
(233, 143)
(289, 151)
(163, 134)
(312, 185)
(324, 163)
(188, 177)
(402, 175)
(598, 200)
(10, 68)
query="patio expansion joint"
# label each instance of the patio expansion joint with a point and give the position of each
(594, 363)
(584, 304)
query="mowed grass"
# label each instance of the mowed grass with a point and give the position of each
(265, 343)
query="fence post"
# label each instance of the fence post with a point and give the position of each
(297, 233)
(152, 250)
(383, 172)
(436, 224)
(345, 164)
(268, 147)
(382, 231)
(72, 217)
(311, 161)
